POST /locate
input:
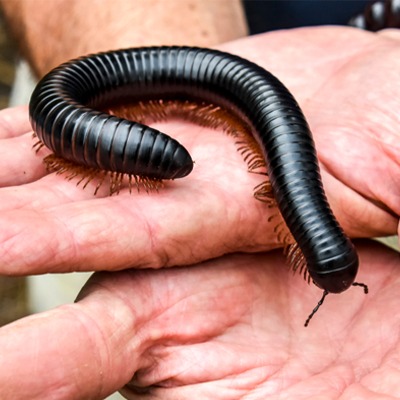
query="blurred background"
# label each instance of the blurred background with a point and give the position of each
(13, 293)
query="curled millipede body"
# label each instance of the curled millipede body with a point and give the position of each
(64, 114)
(378, 15)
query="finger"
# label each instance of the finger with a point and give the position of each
(359, 216)
(25, 183)
(19, 163)
(61, 229)
(133, 230)
(50, 191)
(138, 230)
(14, 122)
(78, 351)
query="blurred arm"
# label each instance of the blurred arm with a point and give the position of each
(51, 32)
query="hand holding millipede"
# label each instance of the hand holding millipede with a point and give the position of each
(345, 136)
(217, 89)
(57, 226)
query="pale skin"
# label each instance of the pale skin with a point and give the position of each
(51, 32)
(231, 327)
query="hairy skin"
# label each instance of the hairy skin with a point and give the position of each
(230, 327)
(51, 32)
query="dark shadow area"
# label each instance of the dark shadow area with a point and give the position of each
(265, 15)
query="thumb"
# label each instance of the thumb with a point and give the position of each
(86, 350)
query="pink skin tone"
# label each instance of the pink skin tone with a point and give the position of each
(225, 328)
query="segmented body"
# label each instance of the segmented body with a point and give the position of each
(378, 15)
(64, 117)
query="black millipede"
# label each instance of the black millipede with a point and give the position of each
(378, 15)
(67, 117)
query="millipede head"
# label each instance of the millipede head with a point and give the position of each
(335, 275)
(334, 281)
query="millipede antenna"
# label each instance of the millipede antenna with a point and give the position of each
(316, 308)
(363, 285)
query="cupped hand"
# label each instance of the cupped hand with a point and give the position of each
(229, 328)
(347, 83)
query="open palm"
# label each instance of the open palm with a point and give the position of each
(232, 327)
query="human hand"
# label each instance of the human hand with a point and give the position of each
(344, 79)
(229, 328)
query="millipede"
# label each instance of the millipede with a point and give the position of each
(91, 113)
(378, 15)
